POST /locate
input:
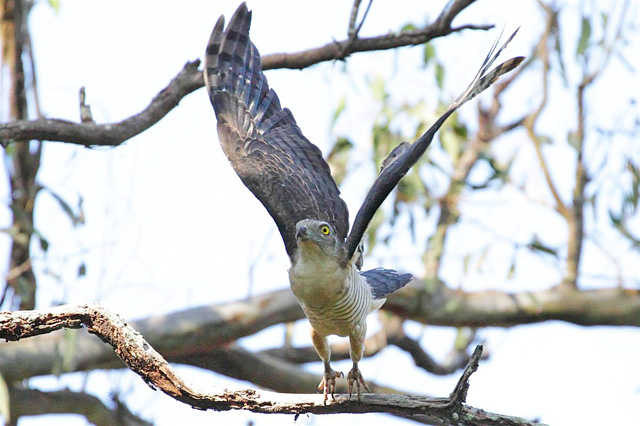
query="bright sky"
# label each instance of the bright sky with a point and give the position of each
(169, 224)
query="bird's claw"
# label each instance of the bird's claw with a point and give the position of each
(355, 377)
(328, 383)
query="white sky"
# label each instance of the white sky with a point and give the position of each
(169, 225)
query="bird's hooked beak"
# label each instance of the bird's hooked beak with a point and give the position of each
(301, 232)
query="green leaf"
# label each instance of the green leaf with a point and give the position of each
(618, 222)
(439, 75)
(512, 268)
(76, 219)
(605, 20)
(378, 89)
(544, 139)
(482, 259)
(558, 48)
(55, 4)
(338, 158)
(428, 53)
(44, 244)
(537, 245)
(573, 140)
(585, 35)
(82, 270)
(465, 263)
(632, 198)
(408, 27)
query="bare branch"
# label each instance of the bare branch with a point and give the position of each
(141, 358)
(335, 50)
(354, 16)
(32, 402)
(112, 134)
(423, 360)
(190, 79)
(443, 306)
(197, 332)
(541, 51)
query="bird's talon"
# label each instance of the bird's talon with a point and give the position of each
(328, 383)
(355, 377)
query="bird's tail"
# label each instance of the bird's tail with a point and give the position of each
(485, 78)
(385, 281)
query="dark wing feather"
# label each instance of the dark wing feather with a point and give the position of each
(396, 167)
(262, 141)
(385, 281)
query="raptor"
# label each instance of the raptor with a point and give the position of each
(289, 176)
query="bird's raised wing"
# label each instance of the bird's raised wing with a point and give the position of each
(262, 141)
(402, 159)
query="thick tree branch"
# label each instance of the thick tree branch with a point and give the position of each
(439, 305)
(190, 79)
(141, 358)
(176, 335)
(197, 332)
(32, 402)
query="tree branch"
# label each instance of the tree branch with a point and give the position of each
(197, 332)
(112, 134)
(439, 305)
(33, 402)
(141, 358)
(541, 51)
(190, 79)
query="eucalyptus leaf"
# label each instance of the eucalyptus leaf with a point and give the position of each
(428, 53)
(439, 75)
(585, 35)
(55, 5)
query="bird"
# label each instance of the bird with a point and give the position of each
(289, 176)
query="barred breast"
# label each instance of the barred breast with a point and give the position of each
(349, 309)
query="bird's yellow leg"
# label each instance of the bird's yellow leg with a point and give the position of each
(328, 383)
(356, 340)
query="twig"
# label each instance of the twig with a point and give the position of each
(354, 30)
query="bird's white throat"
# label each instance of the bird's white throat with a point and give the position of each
(317, 279)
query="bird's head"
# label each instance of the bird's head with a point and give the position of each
(312, 235)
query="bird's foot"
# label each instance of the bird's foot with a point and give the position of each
(328, 383)
(355, 377)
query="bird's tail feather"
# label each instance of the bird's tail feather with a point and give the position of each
(385, 281)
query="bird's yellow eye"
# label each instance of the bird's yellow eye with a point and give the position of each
(325, 230)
